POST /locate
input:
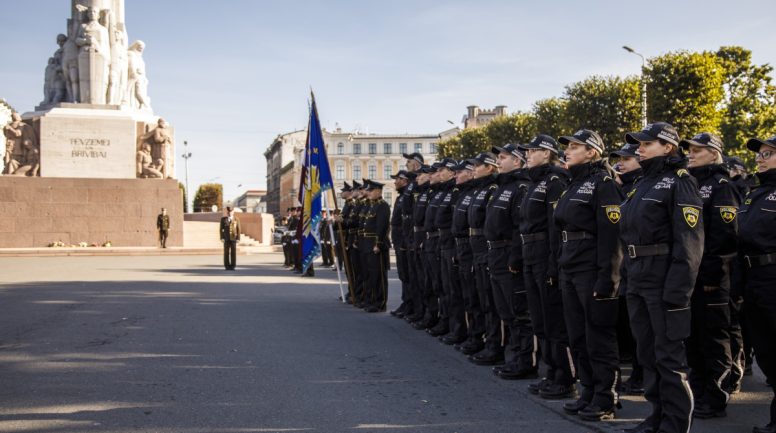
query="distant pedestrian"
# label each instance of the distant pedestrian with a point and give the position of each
(230, 234)
(163, 225)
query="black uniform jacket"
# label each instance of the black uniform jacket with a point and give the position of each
(720, 206)
(665, 208)
(547, 184)
(375, 224)
(460, 224)
(485, 187)
(590, 209)
(407, 206)
(419, 213)
(757, 218)
(397, 234)
(444, 214)
(502, 222)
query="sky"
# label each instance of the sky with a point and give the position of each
(233, 74)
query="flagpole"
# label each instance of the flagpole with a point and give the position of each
(331, 233)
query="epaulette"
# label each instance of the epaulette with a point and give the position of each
(682, 172)
(606, 178)
(492, 186)
(554, 177)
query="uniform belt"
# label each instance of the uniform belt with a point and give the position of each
(417, 229)
(360, 232)
(762, 260)
(492, 245)
(431, 235)
(353, 231)
(574, 236)
(462, 240)
(533, 237)
(648, 250)
(475, 232)
(444, 232)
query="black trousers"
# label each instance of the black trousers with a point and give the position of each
(737, 347)
(417, 281)
(545, 304)
(493, 336)
(375, 291)
(660, 333)
(286, 253)
(402, 268)
(326, 253)
(625, 341)
(760, 301)
(163, 238)
(511, 305)
(431, 269)
(708, 348)
(357, 271)
(295, 259)
(475, 319)
(452, 299)
(592, 330)
(230, 254)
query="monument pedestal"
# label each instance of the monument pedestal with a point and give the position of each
(91, 141)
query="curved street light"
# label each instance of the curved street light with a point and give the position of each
(643, 83)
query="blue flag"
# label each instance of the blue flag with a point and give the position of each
(316, 179)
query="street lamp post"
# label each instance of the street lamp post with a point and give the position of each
(186, 155)
(643, 83)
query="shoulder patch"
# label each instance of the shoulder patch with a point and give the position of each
(493, 186)
(723, 180)
(607, 178)
(554, 177)
(682, 172)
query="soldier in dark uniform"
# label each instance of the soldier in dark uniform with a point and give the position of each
(285, 239)
(452, 326)
(587, 216)
(540, 268)
(356, 220)
(505, 263)
(414, 310)
(230, 235)
(627, 170)
(662, 229)
(327, 258)
(343, 246)
(163, 225)
(485, 167)
(374, 245)
(757, 250)
(708, 348)
(424, 191)
(401, 181)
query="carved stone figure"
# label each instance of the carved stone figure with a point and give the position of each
(159, 141)
(117, 81)
(16, 133)
(137, 83)
(146, 166)
(70, 63)
(93, 58)
(30, 165)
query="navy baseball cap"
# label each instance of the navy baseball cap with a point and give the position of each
(586, 137)
(704, 139)
(372, 185)
(754, 143)
(734, 162)
(627, 150)
(542, 141)
(404, 174)
(484, 158)
(415, 156)
(654, 131)
(448, 163)
(510, 148)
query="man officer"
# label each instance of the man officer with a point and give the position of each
(401, 181)
(374, 245)
(163, 225)
(230, 234)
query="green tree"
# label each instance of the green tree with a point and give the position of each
(610, 106)
(514, 128)
(750, 101)
(208, 194)
(182, 188)
(551, 117)
(686, 90)
(466, 144)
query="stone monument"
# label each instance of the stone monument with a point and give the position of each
(92, 163)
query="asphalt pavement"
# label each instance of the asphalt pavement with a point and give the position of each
(177, 344)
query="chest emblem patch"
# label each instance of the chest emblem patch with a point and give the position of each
(613, 213)
(728, 214)
(691, 216)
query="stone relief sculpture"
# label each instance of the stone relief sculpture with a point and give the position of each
(147, 167)
(119, 66)
(159, 142)
(137, 83)
(21, 146)
(70, 63)
(93, 58)
(30, 164)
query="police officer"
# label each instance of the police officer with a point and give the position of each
(431, 253)
(415, 312)
(757, 249)
(364, 256)
(540, 243)
(708, 348)
(401, 182)
(374, 245)
(293, 242)
(662, 229)
(343, 247)
(502, 232)
(587, 216)
(475, 320)
(627, 171)
(485, 167)
(326, 246)
(453, 330)
(424, 191)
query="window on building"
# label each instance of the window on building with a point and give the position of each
(357, 148)
(340, 170)
(372, 171)
(340, 149)
(387, 148)
(357, 171)
(432, 148)
(419, 147)
(402, 147)
(387, 170)
(387, 196)
(372, 148)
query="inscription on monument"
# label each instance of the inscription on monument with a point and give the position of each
(90, 147)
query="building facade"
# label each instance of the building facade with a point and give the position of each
(252, 201)
(352, 156)
(476, 116)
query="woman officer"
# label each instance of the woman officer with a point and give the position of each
(587, 217)
(662, 229)
(757, 248)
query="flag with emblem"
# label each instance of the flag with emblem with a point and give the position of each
(316, 179)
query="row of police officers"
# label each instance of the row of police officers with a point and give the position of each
(531, 252)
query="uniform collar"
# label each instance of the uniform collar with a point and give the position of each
(706, 171)
(631, 176)
(767, 177)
